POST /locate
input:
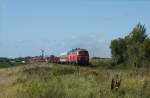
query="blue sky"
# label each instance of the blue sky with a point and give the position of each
(26, 26)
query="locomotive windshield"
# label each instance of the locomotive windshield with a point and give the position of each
(83, 53)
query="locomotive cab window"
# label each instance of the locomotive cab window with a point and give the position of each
(83, 52)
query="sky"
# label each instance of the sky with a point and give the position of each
(56, 26)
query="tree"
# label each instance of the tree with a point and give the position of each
(134, 49)
(145, 51)
(118, 48)
(135, 42)
(138, 34)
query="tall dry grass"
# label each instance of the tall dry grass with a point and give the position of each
(67, 81)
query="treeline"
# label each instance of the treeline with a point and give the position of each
(10, 62)
(133, 50)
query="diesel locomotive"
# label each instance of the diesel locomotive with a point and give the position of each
(75, 56)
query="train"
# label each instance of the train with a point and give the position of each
(75, 56)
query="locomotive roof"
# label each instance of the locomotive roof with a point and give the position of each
(77, 49)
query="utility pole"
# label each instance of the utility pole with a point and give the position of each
(42, 51)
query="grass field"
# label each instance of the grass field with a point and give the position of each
(68, 81)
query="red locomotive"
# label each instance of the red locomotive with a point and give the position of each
(75, 56)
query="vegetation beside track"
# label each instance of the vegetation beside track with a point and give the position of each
(68, 81)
